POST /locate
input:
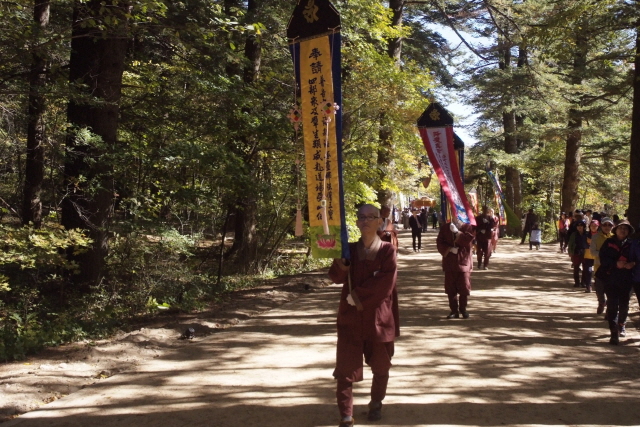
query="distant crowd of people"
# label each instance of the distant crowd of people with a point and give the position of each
(605, 257)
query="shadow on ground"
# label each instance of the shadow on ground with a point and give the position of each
(533, 353)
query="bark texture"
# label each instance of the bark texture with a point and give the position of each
(634, 173)
(573, 152)
(34, 161)
(96, 67)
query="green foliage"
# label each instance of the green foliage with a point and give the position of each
(39, 252)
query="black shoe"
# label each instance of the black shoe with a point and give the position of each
(587, 290)
(375, 411)
(347, 423)
(600, 309)
(614, 340)
(577, 285)
(453, 314)
(465, 314)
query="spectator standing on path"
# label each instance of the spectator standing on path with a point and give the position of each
(416, 230)
(424, 216)
(616, 219)
(615, 270)
(596, 243)
(496, 230)
(563, 231)
(457, 262)
(484, 231)
(387, 230)
(634, 256)
(588, 216)
(535, 237)
(405, 218)
(589, 260)
(368, 319)
(577, 247)
(529, 220)
(434, 219)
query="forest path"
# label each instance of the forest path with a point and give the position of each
(533, 353)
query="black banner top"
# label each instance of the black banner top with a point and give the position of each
(312, 18)
(435, 116)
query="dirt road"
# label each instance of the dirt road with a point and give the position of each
(533, 353)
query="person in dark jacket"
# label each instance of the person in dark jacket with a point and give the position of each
(634, 257)
(457, 263)
(529, 220)
(416, 230)
(484, 231)
(424, 218)
(615, 271)
(578, 244)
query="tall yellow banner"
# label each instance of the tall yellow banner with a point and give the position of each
(321, 151)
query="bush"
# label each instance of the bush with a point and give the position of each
(33, 265)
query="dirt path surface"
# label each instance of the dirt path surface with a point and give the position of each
(533, 353)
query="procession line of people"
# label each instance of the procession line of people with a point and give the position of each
(368, 314)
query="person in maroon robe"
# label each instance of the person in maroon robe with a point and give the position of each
(368, 319)
(457, 262)
(485, 226)
(387, 231)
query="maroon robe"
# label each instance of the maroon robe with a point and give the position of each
(462, 261)
(457, 267)
(374, 283)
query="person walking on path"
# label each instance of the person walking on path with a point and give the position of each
(457, 263)
(615, 270)
(434, 219)
(596, 243)
(368, 315)
(405, 218)
(529, 220)
(496, 230)
(416, 230)
(634, 256)
(577, 247)
(563, 229)
(424, 217)
(589, 260)
(387, 231)
(484, 230)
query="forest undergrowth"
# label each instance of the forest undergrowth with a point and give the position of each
(150, 272)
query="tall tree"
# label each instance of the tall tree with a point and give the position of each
(98, 49)
(34, 161)
(385, 134)
(634, 173)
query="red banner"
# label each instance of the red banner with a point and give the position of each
(439, 144)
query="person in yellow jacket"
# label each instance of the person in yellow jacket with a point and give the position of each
(594, 250)
(589, 259)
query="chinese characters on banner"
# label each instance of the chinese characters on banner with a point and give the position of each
(321, 150)
(439, 144)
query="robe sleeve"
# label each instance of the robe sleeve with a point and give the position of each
(444, 241)
(337, 274)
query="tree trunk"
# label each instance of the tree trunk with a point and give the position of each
(34, 161)
(512, 175)
(385, 133)
(96, 66)
(634, 173)
(574, 137)
(245, 243)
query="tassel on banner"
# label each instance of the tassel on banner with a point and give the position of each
(299, 231)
